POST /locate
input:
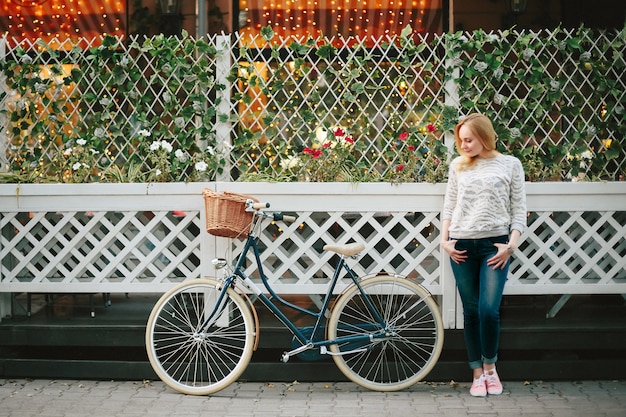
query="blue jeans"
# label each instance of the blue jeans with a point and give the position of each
(480, 287)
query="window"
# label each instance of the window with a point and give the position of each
(56, 21)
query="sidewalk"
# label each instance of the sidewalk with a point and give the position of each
(69, 398)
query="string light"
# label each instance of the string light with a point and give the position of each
(61, 20)
(353, 18)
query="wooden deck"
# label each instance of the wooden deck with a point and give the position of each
(586, 340)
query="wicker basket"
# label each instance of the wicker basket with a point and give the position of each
(226, 214)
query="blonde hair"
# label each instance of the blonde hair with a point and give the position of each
(481, 126)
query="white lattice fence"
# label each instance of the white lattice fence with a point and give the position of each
(132, 238)
(558, 93)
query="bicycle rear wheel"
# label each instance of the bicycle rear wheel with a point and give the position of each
(411, 330)
(194, 360)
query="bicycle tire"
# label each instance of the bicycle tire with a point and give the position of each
(193, 362)
(414, 333)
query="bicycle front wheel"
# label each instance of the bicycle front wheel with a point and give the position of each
(195, 360)
(403, 327)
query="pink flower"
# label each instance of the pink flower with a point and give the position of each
(403, 136)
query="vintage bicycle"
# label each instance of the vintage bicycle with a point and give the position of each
(383, 331)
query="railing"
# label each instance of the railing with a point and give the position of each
(123, 238)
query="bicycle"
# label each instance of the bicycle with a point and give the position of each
(384, 331)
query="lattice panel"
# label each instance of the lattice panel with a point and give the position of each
(84, 250)
(570, 252)
(402, 243)
(565, 101)
(137, 250)
(267, 104)
(374, 94)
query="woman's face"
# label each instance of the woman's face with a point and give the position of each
(470, 143)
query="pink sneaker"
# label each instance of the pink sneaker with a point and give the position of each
(494, 386)
(479, 388)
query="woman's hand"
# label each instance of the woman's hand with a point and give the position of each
(499, 260)
(457, 256)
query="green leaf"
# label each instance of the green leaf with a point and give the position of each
(267, 33)
(406, 31)
(325, 51)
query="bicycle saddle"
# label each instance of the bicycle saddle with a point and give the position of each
(349, 249)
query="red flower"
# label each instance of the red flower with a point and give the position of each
(411, 147)
(403, 136)
(339, 132)
(349, 139)
(326, 145)
(431, 128)
(315, 153)
(400, 168)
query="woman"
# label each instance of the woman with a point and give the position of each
(483, 217)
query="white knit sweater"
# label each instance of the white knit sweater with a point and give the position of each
(486, 200)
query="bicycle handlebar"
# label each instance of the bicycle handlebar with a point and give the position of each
(259, 206)
(284, 217)
(252, 205)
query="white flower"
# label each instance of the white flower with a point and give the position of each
(124, 61)
(527, 54)
(94, 152)
(562, 45)
(144, 132)
(197, 107)
(26, 59)
(81, 142)
(40, 88)
(179, 122)
(105, 101)
(227, 145)
(591, 130)
(211, 150)
(457, 61)
(585, 56)
(481, 66)
(321, 134)
(498, 73)
(290, 163)
(166, 145)
(99, 132)
(166, 97)
(158, 172)
(181, 155)
(67, 152)
(555, 85)
(201, 166)
(498, 98)
(515, 133)
(76, 166)
(166, 67)
(154, 146)
(587, 154)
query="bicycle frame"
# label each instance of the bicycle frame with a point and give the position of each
(239, 276)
